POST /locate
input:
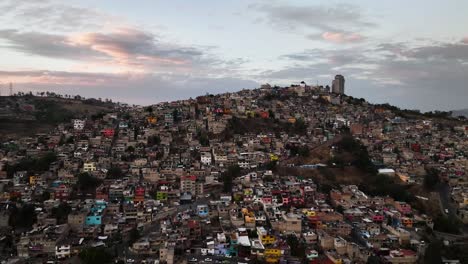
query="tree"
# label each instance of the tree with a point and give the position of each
(45, 196)
(373, 260)
(340, 209)
(23, 217)
(95, 255)
(448, 224)
(203, 138)
(300, 126)
(431, 179)
(86, 182)
(133, 236)
(114, 173)
(228, 177)
(61, 212)
(131, 149)
(433, 252)
(297, 248)
(153, 140)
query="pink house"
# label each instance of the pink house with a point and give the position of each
(403, 208)
(377, 218)
(266, 199)
(108, 132)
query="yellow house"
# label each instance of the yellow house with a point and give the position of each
(408, 222)
(268, 239)
(272, 255)
(5, 196)
(89, 166)
(249, 218)
(32, 180)
(309, 212)
(274, 157)
(248, 191)
(292, 120)
(249, 113)
(151, 119)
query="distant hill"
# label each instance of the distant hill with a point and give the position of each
(461, 112)
(28, 115)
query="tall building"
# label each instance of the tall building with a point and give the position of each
(338, 84)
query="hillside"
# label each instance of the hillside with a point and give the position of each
(351, 164)
(460, 112)
(28, 115)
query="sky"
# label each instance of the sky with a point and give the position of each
(413, 54)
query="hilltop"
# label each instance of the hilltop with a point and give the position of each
(27, 115)
(460, 112)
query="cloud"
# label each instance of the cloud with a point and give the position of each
(413, 75)
(145, 88)
(46, 45)
(439, 51)
(53, 15)
(337, 23)
(131, 46)
(128, 47)
(339, 37)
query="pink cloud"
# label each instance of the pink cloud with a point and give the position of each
(131, 47)
(340, 37)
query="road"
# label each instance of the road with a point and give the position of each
(444, 192)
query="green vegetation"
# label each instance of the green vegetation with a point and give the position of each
(95, 256)
(431, 179)
(134, 236)
(23, 217)
(295, 150)
(114, 173)
(52, 112)
(412, 113)
(154, 140)
(61, 212)
(32, 164)
(361, 159)
(436, 250)
(228, 177)
(297, 248)
(300, 126)
(447, 224)
(86, 182)
(203, 138)
(349, 150)
(382, 185)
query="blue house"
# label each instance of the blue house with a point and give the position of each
(202, 210)
(92, 220)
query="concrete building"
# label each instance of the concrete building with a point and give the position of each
(338, 84)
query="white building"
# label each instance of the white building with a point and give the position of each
(205, 158)
(78, 124)
(63, 251)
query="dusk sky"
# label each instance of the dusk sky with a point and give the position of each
(413, 54)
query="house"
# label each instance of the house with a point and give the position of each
(89, 166)
(202, 210)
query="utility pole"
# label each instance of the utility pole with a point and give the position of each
(11, 89)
